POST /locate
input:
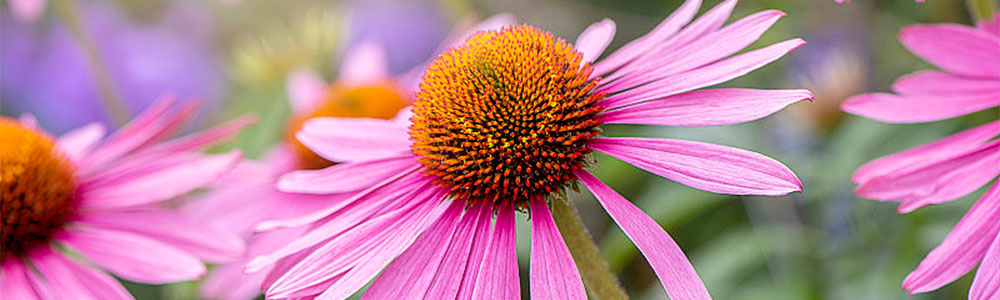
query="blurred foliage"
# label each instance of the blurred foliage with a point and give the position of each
(823, 243)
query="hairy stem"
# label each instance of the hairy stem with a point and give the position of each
(595, 272)
(112, 102)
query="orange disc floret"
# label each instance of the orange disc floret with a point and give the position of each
(37, 188)
(380, 100)
(505, 116)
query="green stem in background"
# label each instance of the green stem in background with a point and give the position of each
(981, 9)
(112, 102)
(596, 276)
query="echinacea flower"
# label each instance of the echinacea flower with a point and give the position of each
(73, 204)
(501, 123)
(247, 196)
(947, 169)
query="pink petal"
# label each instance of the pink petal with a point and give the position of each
(155, 122)
(991, 26)
(27, 10)
(73, 281)
(132, 256)
(305, 89)
(712, 74)
(228, 282)
(668, 261)
(14, 281)
(363, 63)
(702, 51)
(918, 108)
(497, 278)
(938, 182)
(986, 284)
(944, 84)
(962, 249)
(707, 107)
(955, 48)
(708, 22)
(661, 32)
(357, 256)
(553, 273)
(189, 173)
(410, 275)
(345, 177)
(912, 159)
(704, 166)
(78, 142)
(348, 139)
(170, 228)
(593, 40)
(404, 182)
(200, 140)
(465, 254)
(343, 217)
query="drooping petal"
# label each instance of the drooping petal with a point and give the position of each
(944, 85)
(75, 144)
(200, 140)
(188, 172)
(465, 254)
(349, 139)
(14, 281)
(718, 72)
(410, 275)
(962, 249)
(918, 108)
(939, 182)
(704, 166)
(986, 284)
(991, 26)
(553, 273)
(170, 228)
(69, 280)
(909, 160)
(666, 258)
(593, 40)
(345, 177)
(157, 121)
(707, 107)
(132, 256)
(305, 88)
(498, 278)
(363, 63)
(955, 48)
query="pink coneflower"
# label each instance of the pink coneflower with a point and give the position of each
(247, 196)
(969, 81)
(100, 200)
(500, 124)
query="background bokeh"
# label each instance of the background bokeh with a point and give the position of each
(823, 243)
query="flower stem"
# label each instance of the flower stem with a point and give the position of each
(112, 102)
(981, 9)
(595, 272)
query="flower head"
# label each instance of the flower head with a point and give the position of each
(99, 200)
(501, 123)
(944, 170)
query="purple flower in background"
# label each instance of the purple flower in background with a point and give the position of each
(46, 72)
(409, 30)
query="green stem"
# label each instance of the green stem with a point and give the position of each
(112, 102)
(596, 276)
(981, 9)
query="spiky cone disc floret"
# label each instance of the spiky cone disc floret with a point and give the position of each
(505, 116)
